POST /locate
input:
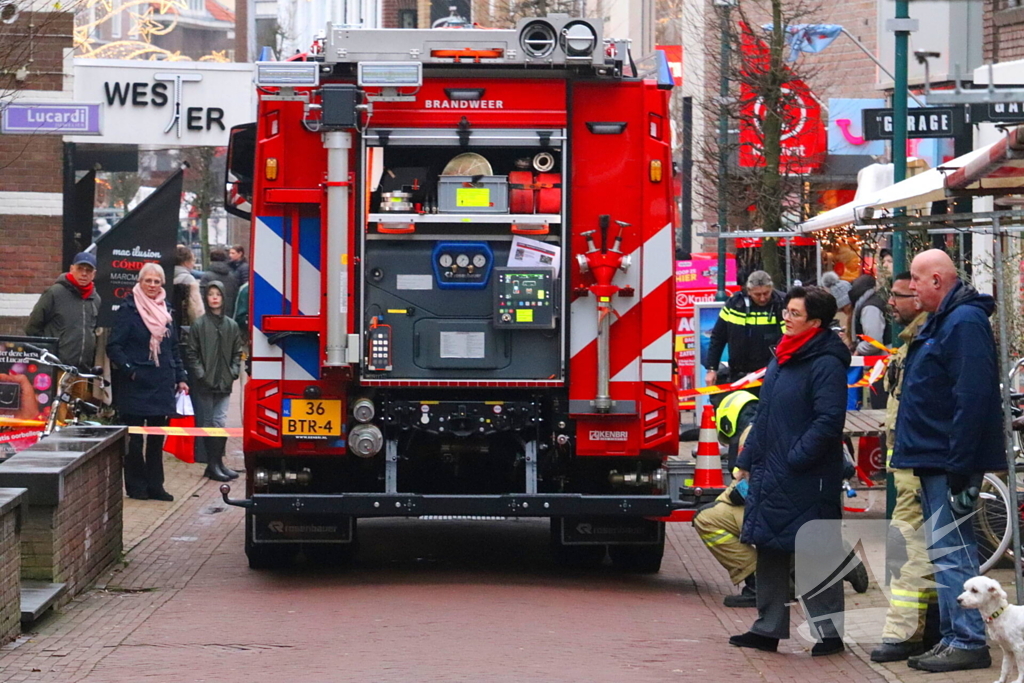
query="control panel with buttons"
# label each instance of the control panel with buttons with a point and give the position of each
(462, 265)
(524, 298)
(379, 356)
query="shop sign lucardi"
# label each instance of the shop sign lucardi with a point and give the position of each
(51, 118)
(170, 104)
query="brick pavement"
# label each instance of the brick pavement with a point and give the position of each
(453, 601)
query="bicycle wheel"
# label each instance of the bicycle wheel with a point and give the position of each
(991, 523)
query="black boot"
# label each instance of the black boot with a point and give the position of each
(214, 460)
(225, 470)
(746, 598)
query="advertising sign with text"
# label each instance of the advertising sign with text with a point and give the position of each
(171, 104)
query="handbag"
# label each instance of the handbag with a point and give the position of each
(183, 405)
(182, 447)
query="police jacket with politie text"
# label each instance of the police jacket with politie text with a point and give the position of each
(794, 451)
(751, 331)
(61, 312)
(950, 416)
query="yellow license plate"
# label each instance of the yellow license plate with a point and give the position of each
(311, 418)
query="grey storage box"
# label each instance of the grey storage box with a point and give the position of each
(472, 194)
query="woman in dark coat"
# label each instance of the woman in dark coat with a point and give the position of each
(143, 347)
(793, 459)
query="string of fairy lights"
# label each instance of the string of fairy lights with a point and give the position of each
(148, 19)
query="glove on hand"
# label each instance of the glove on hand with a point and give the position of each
(958, 482)
(962, 504)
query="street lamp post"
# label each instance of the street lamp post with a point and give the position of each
(902, 25)
(725, 6)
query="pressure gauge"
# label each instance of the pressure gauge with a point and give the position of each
(462, 260)
(479, 260)
(445, 260)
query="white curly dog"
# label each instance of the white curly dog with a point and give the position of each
(1004, 623)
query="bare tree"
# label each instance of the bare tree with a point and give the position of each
(768, 193)
(203, 179)
(505, 13)
(31, 58)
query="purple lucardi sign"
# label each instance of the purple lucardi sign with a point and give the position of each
(51, 118)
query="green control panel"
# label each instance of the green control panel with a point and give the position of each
(524, 298)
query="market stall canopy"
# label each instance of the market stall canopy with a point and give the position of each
(993, 170)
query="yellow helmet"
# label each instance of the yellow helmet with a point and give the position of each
(727, 416)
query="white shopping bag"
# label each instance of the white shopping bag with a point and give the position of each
(183, 405)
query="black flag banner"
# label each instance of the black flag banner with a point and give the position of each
(148, 234)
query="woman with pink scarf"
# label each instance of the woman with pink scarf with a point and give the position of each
(148, 373)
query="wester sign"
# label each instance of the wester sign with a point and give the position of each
(166, 103)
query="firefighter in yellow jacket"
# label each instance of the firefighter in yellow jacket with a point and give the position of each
(911, 588)
(719, 524)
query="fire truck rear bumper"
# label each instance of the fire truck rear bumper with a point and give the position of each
(417, 505)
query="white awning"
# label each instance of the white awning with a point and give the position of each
(999, 167)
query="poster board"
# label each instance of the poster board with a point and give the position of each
(27, 390)
(696, 282)
(705, 315)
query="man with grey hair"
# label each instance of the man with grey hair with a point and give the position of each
(750, 324)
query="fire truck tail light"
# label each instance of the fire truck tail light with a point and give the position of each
(270, 172)
(655, 171)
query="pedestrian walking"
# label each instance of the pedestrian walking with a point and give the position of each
(215, 356)
(840, 289)
(187, 308)
(750, 324)
(949, 431)
(188, 301)
(221, 271)
(239, 266)
(911, 589)
(143, 347)
(870, 319)
(793, 459)
(68, 311)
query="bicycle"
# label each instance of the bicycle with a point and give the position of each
(79, 409)
(991, 521)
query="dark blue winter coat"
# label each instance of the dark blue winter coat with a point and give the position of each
(950, 415)
(140, 387)
(794, 453)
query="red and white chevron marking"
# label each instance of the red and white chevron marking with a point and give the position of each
(648, 358)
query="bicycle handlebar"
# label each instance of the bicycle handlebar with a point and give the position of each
(48, 358)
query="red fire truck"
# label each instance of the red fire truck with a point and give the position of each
(461, 289)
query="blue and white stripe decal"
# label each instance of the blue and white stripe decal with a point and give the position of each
(271, 278)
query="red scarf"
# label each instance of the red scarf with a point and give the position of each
(86, 291)
(790, 345)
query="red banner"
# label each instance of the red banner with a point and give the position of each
(804, 137)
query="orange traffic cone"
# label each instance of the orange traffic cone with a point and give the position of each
(708, 472)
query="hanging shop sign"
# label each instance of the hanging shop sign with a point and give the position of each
(804, 142)
(998, 112)
(148, 234)
(844, 127)
(922, 122)
(170, 104)
(51, 118)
